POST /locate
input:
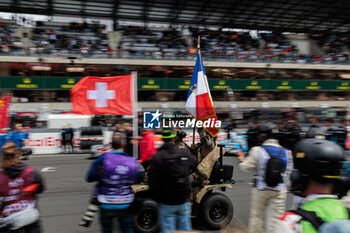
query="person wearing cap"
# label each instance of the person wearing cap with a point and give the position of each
(19, 186)
(317, 169)
(267, 201)
(169, 183)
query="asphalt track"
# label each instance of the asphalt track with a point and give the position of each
(67, 194)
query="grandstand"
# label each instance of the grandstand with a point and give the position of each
(293, 53)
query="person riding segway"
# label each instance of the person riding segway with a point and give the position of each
(210, 207)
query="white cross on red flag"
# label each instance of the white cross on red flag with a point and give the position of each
(103, 95)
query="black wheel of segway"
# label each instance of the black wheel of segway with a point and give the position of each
(146, 219)
(216, 211)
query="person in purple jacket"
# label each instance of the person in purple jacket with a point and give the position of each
(115, 171)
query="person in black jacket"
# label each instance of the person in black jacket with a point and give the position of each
(169, 183)
(67, 135)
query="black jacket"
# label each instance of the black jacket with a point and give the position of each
(158, 178)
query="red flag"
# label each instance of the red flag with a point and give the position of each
(103, 95)
(4, 111)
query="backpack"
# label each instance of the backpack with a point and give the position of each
(274, 168)
(176, 171)
(339, 226)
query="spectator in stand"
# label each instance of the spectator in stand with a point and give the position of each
(147, 147)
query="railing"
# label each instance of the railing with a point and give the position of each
(294, 59)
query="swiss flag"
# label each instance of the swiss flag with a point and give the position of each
(103, 95)
(4, 111)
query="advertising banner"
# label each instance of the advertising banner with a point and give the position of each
(67, 83)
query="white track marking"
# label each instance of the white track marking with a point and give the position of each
(48, 169)
(57, 155)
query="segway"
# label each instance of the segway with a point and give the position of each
(211, 207)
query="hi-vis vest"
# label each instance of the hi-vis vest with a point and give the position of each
(328, 209)
(261, 169)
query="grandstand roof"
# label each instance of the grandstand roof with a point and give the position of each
(293, 16)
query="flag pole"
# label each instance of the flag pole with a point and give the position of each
(194, 128)
(135, 118)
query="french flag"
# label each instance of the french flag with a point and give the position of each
(199, 103)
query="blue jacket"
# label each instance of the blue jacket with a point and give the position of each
(17, 138)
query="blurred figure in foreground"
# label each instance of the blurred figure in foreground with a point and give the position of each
(317, 165)
(19, 186)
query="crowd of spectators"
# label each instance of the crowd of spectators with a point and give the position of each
(142, 41)
(70, 39)
(58, 40)
(242, 46)
(219, 44)
(334, 47)
(8, 41)
(91, 40)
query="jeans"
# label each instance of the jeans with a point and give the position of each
(124, 216)
(175, 217)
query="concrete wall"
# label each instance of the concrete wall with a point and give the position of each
(301, 41)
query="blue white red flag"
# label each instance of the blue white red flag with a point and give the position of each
(199, 103)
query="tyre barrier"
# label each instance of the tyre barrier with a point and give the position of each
(91, 131)
(86, 144)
